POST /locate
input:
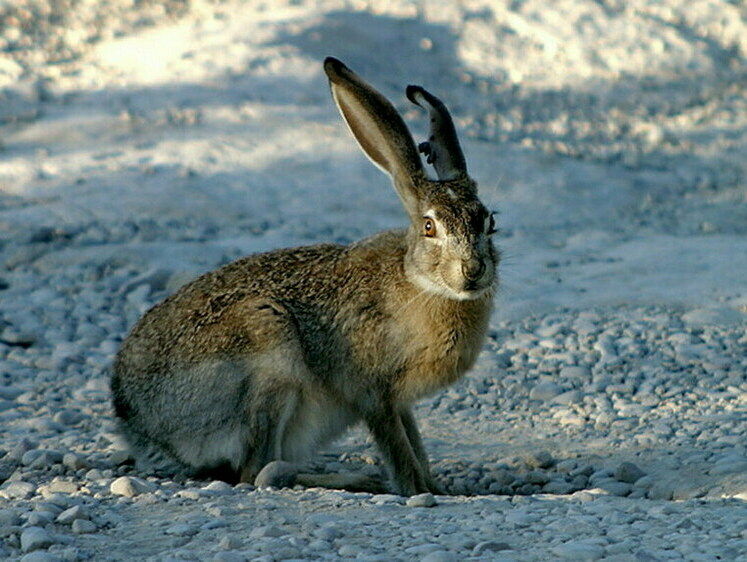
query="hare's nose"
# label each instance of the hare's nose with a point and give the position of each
(473, 269)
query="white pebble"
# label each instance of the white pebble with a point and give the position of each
(421, 500)
(130, 486)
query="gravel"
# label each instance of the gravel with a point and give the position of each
(612, 429)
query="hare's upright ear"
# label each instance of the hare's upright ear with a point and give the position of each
(442, 148)
(379, 130)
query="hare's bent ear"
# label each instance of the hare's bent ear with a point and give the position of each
(442, 148)
(378, 128)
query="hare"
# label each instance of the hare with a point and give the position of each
(272, 356)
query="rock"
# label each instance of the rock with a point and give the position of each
(575, 373)
(181, 530)
(559, 487)
(40, 518)
(545, 391)
(228, 542)
(218, 487)
(277, 474)
(540, 459)
(486, 547)
(35, 538)
(381, 499)
(439, 556)
(421, 500)
(190, 494)
(84, 527)
(569, 397)
(214, 524)
(614, 488)
(130, 486)
(718, 315)
(40, 556)
(628, 472)
(328, 532)
(575, 550)
(10, 392)
(68, 417)
(41, 458)
(58, 486)
(229, 556)
(119, 457)
(18, 489)
(74, 461)
(9, 518)
(69, 515)
(267, 531)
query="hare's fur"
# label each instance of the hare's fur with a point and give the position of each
(274, 355)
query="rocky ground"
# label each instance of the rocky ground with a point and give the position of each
(142, 143)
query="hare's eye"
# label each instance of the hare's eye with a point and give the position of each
(429, 227)
(491, 224)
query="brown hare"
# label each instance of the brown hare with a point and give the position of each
(272, 356)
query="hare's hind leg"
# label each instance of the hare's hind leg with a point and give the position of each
(271, 410)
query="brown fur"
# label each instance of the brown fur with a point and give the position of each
(271, 356)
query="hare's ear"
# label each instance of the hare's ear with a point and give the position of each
(442, 148)
(379, 130)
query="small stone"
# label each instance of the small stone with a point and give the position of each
(540, 459)
(218, 487)
(349, 551)
(40, 556)
(545, 391)
(559, 487)
(119, 457)
(10, 392)
(181, 530)
(574, 550)
(421, 500)
(628, 472)
(620, 489)
(229, 556)
(227, 542)
(568, 398)
(214, 524)
(74, 461)
(381, 499)
(439, 556)
(328, 533)
(9, 518)
(130, 486)
(35, 538)
(267, 531)
(490, 546)
(277, 474)
(41, 458)
(69, 515)
(58, 486)
(40, 518)
(83, 527)
(23, 446)
(190, 494)
(575, 373)
(68, 417)
(18, 490)
(717, 315)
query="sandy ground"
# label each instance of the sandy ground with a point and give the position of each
(164, 138)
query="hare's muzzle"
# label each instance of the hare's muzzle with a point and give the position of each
(473, 269)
